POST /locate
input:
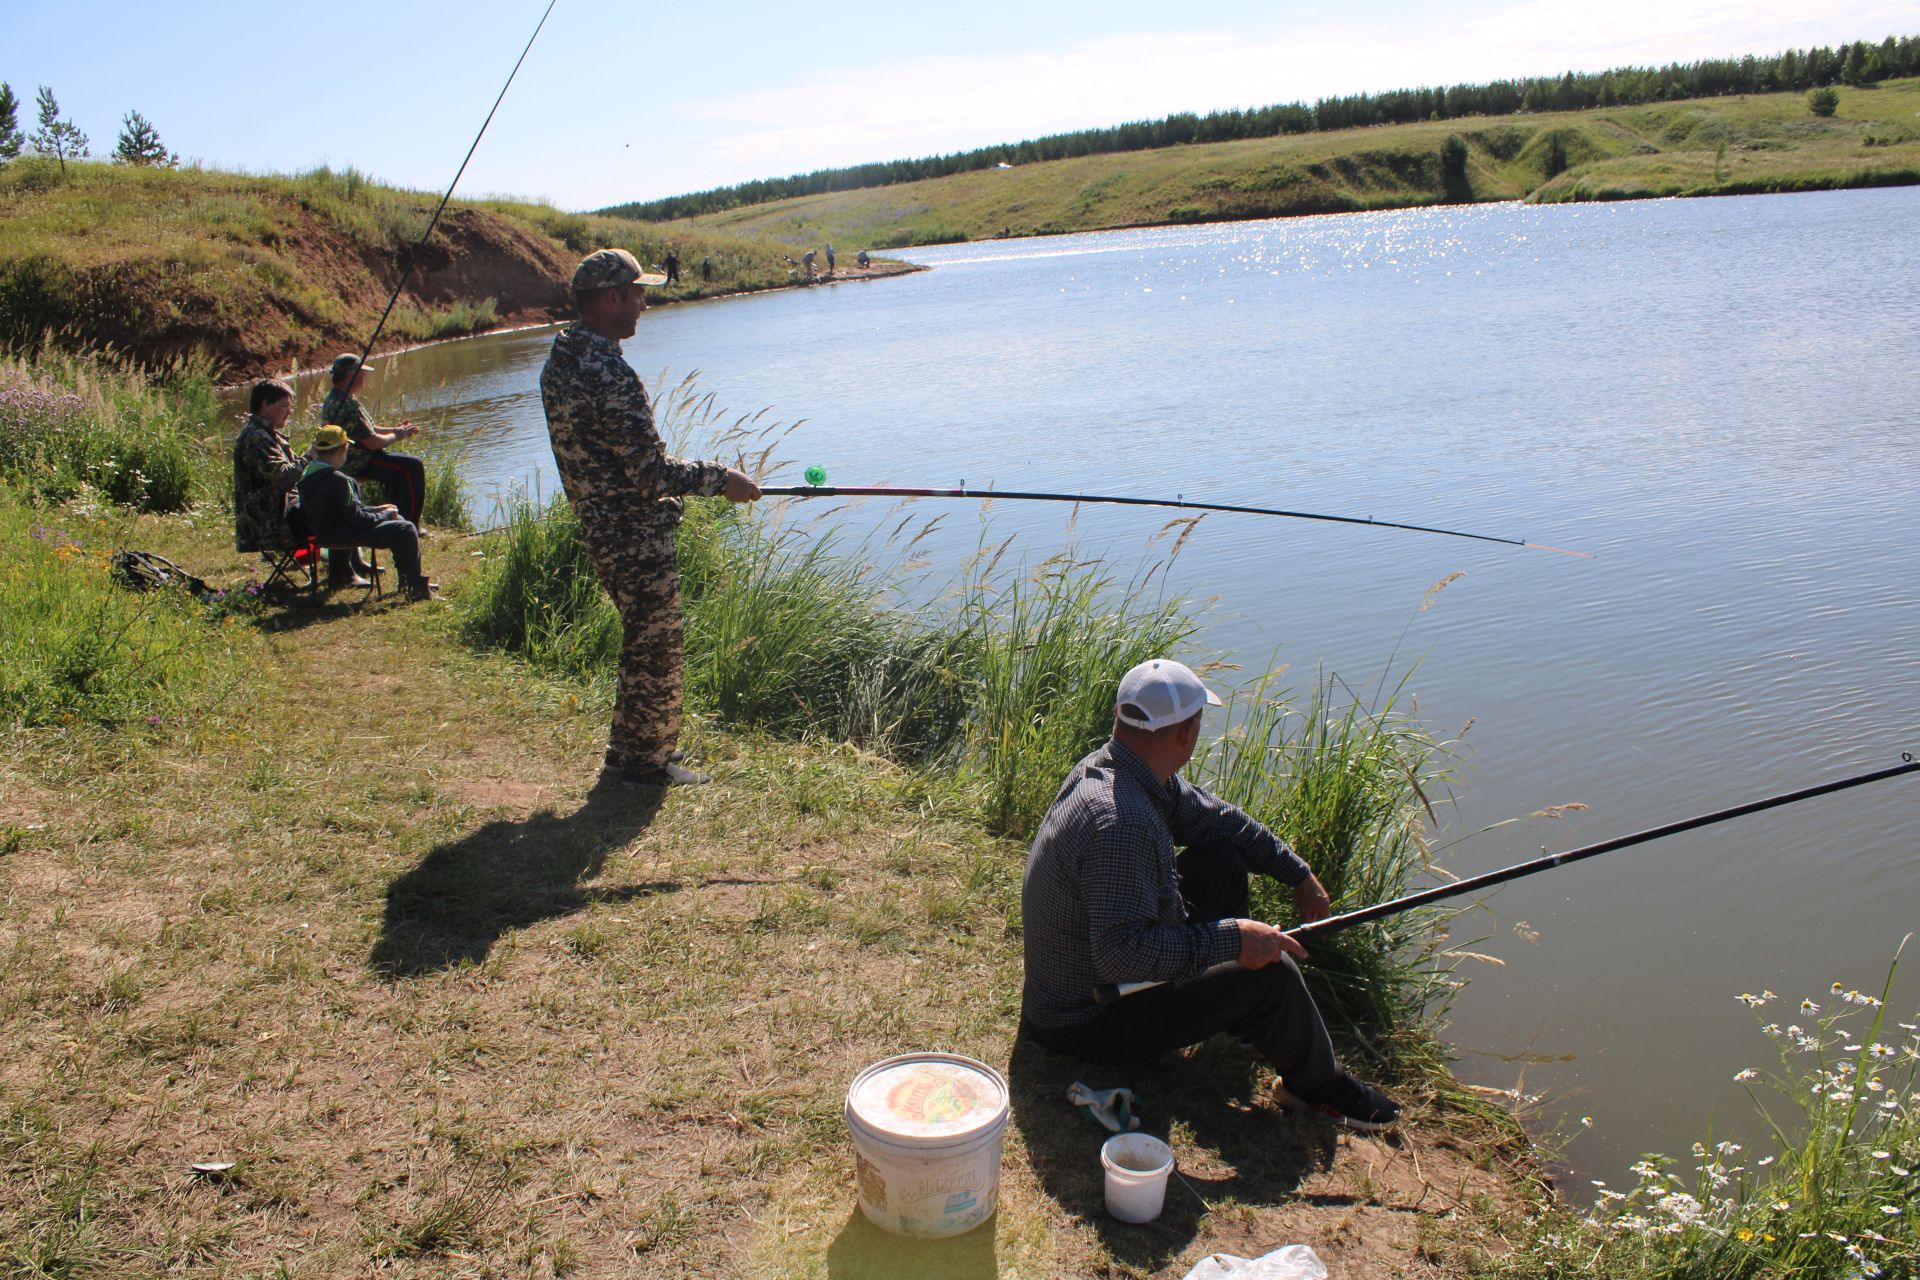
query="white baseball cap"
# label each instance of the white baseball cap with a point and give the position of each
(1164, 691)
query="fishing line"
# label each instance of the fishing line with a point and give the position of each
(817, 488)
(1108, 992)
(435, 220)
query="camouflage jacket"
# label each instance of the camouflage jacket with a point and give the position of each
(344, 411)
(611, 461)
(264, 472)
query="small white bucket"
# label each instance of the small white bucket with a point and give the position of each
(1137, 1166)
(927, 1129)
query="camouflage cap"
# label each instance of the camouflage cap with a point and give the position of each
(605, 268)
(329, 438)
(344, 365)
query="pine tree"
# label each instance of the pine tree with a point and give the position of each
(11, 139)
(56, 137)
(140, 143)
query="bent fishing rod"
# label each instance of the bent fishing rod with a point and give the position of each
(818, 489)
(1108, 992)
(434, 221)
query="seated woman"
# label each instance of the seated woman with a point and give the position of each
(330, 502)
(265, 470)
(371, 456)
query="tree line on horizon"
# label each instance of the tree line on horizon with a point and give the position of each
(1859, 63)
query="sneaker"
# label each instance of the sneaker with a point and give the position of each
(1348, 1102)
(666, 775)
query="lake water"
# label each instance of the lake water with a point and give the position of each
(1720, 399)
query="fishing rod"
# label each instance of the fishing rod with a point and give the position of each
(816, 487)
(1108, 992)
(434, 221)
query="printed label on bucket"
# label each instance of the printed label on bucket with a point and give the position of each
(928, 1099)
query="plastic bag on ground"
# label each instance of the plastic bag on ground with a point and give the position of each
(1290, 1262)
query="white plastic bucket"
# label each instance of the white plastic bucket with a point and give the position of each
(927, 1129)
(1137, 1165)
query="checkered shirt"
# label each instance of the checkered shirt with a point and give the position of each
(1101, 899)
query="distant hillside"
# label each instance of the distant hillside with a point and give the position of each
(1861, 62)
(1755, 143)
(257, 273)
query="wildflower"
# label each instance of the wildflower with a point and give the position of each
(1808, 1006)
(1836, 988)
(1781, 1206)
(1763, 1162)
(1750, 1000)
(1898, 1172)
(1891, 1210)
(1771, 1029)
(1586, 1122)
(1878, 1050)
(1743, 1076)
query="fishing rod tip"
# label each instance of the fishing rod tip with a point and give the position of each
(1541, 546)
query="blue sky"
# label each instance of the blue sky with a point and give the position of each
(626, 101)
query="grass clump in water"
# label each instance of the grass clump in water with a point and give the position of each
(448, 504)
(1345, 783)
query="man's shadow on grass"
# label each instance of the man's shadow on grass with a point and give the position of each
(454, 906)
(1211, 1093)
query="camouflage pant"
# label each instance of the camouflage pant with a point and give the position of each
(636, 564)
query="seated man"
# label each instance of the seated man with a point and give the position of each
(330, 501)
(372, 456)
(1106, 901)
(264, 471)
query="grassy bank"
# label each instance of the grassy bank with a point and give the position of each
(256, 273)
(324, 902)
(1707, 146)
(328, 895)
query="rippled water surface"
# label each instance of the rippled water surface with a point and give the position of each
(1717, 398)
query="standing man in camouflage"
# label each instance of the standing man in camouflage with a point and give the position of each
(627, 490)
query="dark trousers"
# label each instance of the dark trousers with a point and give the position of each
(1268, 1007)
(402, 477)
(396, 535)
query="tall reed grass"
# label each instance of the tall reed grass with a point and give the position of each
(997, 684)
(72, 423)
(448, 504)
(1345, 779)
(1001, 681)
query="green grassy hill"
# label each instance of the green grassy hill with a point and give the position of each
(1708, 146)
(258, 273)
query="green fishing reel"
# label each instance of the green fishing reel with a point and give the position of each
(816, 476)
